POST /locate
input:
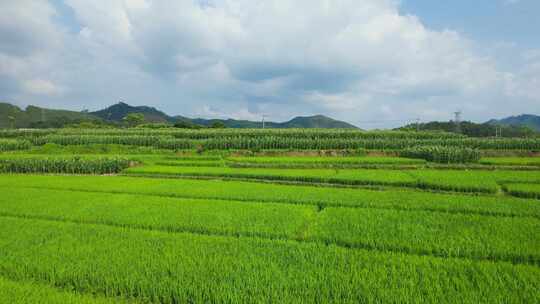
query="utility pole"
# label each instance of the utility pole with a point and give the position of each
(418, 125)
(11, 122)
(457, 121)
(263, 122)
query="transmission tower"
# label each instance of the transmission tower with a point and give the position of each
(263, 121)
(457, 121)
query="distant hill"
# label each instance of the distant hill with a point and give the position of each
(474, 129)
(317, 121)
(118, 111)
(525, 120)
(33, 116)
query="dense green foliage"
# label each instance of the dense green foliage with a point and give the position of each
(36, 117)
(133, 140)
(445, 155)
(13, 145)
(475, 129)
(133, 119)
(73, 165)
(267, 139)
(524, 120)
(110, 149)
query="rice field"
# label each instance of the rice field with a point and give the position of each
(446, 180)
(131, 216)
(523, 190)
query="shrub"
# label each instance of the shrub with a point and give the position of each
(13, 145)
(446, 155)
(70, 165)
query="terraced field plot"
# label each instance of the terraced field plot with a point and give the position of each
(520, 161)
(450, 180)
(523, 190)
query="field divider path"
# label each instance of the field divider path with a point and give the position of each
(320, 206)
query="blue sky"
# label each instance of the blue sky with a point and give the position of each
(374, 63)
(485, 21)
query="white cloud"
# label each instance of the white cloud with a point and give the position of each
(353, 59)
(42, 87)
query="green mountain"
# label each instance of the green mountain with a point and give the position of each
(34, 116)
(118, 111)
(525, 120)
(317, 121)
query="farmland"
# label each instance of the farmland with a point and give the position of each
(286, 216)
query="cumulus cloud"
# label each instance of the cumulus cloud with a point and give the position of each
(357, 60)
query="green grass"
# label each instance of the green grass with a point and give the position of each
(14, 292)
(511, 161)
(523, 190)
(420, 232)
(159, 213)
(248, 191)
(180, 268)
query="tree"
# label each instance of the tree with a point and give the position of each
(218, 125)
(134, 119)
(182, 124)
